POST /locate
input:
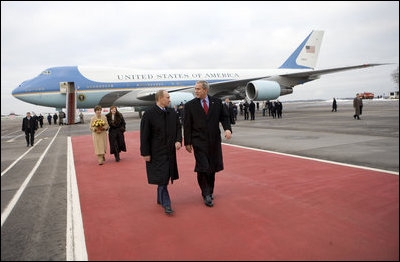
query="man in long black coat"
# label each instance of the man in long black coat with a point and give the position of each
(229, 108)
(160, 137)
(29, 126)
(252, 109)
(202, 134)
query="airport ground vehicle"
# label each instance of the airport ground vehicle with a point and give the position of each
(366, 95)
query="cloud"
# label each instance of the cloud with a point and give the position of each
(190, 35)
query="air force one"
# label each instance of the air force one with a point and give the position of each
(74, 87)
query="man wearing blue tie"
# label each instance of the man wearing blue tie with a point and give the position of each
(203, 136)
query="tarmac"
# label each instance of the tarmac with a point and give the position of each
(309, 141)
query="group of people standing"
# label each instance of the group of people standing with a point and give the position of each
(274, 108)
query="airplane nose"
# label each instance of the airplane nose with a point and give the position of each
(19, 89)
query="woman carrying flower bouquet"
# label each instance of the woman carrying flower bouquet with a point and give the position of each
(99, 126)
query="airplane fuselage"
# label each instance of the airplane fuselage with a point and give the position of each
(121, 87)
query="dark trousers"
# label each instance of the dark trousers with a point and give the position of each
(163, 195)
(206, 182)
(29, 133)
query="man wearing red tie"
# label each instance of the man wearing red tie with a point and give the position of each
(203, 136)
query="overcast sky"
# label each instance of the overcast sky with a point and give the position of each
(199, 35)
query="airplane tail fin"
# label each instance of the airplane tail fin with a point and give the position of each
(306, 55)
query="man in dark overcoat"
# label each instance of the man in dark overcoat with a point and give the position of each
(160, 137)
(252, 109)
(357, 104)
(334, 105)
(202, 135)
(49, 119)
(55, 117)
(29, 126)
(229, 108)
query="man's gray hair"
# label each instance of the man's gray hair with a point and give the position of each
(160, 94)
(204, 84)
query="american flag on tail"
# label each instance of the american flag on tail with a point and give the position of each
(310, 49)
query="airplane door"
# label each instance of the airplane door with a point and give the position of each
(71, 103)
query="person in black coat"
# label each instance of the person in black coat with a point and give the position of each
(55, 117)
(252, 109)
(334, 105)
(29, 126)
(40, 118)
(246, 110)
(202, 135)
(229, 108)
(49, 119)
(279, 109)
(116, 132)
(160, 137)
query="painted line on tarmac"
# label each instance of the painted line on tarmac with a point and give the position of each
(42, 132)
(76, 244)
(19, 158)
(12, 132)
(316, 159)
(17, 195)
(13, 139)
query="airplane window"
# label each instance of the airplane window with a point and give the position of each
(47, 72)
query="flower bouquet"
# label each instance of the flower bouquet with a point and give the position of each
(98, 124)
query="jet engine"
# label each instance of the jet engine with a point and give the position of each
(180, 97)
(263, 90)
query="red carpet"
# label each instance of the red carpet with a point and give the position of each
(266, 207)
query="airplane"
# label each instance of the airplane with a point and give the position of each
(74, 87)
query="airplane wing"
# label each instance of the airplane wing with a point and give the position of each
(235, 89)
(316, 73)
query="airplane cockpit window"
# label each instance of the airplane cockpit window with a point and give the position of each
(47, 72)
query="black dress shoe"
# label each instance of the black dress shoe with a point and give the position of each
(168, 210)
(208, 201)
(117, 157)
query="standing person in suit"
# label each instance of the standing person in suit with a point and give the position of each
(49, 119)
(252, 109)
(55, 117)
(203, 136)
(99, 126)
(40, 118)
(116, 132)
(334, 105)
(160, 137)
(357, 104)
(246, 110)
(29, 126)
(279, 108)
(273, 109)
(229, 108)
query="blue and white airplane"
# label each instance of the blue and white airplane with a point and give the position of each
(86, 87)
